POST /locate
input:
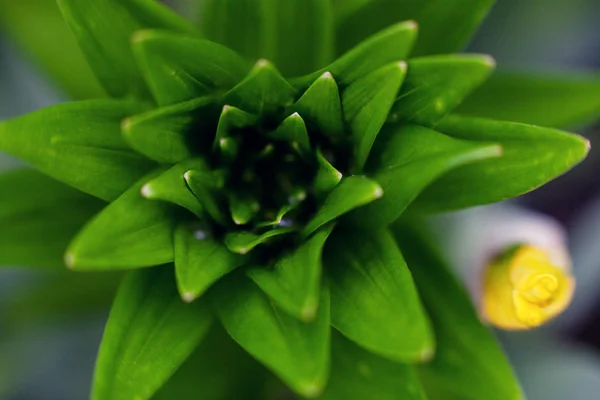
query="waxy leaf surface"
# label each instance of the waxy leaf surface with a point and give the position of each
(468, 363)
(149, 334)
(445, 26)
(200, 261)
(178, 68)
(79, 144)
(374, 301)
(531, 157)
(435, 85)
(131, 232)
(295, 351)
(103, 29)
(412, 158)
(294, 282)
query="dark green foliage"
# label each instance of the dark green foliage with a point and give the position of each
(263, 178)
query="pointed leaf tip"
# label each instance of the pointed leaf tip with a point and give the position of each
(179, 67)
(80, 144)
(106, 44)
(200, 261)
(391, 44)
(297, 352)
(393, 321)
(294, 282)
(131, 232)
(351, 193)
(435, 85)
(149, 334)
(531, 156)
(367, 103)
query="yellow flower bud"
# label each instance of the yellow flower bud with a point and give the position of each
(522, 289)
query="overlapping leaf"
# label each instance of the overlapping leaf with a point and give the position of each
(295, 351)
(367, 102)
(352, 192)
(178, 68)
(103, 29)
(412, 158)
(320, 106)
(294, 282)
(469, 363)
(200, 261)
(296, 35)
(389, 45)
(531, 157)
(435, 85)
(79, 144)
(165, 134)
(131, 232)
(445, 26)
(373, 298)
(264, 90)
(149, 334)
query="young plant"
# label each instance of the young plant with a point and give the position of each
(273, 168)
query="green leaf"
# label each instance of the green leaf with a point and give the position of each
(295, 351)
(231, 119)
(38, 218)
(293, 130)
(327, 176)
(218, 369)
(435, 85)
(171, 186)
(149, 334)
(469, 362)
(205, 185)
(352, 192)
(531, 157)
(179, 68)
(295, 281)
(360, 374)
(537, 99)
(414, 157)
(297, 35)
(373, 298)
(243, 242)
(38, 28)
(389, 45)
(367, 103)
(264, 90)
(164, 134)
(445, 26)
(320, 106)
(79, 144)
(243, 208)
(200, 260)
(103, 29)
(131, 232)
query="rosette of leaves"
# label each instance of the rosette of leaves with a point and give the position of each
(261, 165)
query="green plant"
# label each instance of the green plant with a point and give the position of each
(274, 169)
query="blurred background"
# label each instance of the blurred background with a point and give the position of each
(51, 324)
